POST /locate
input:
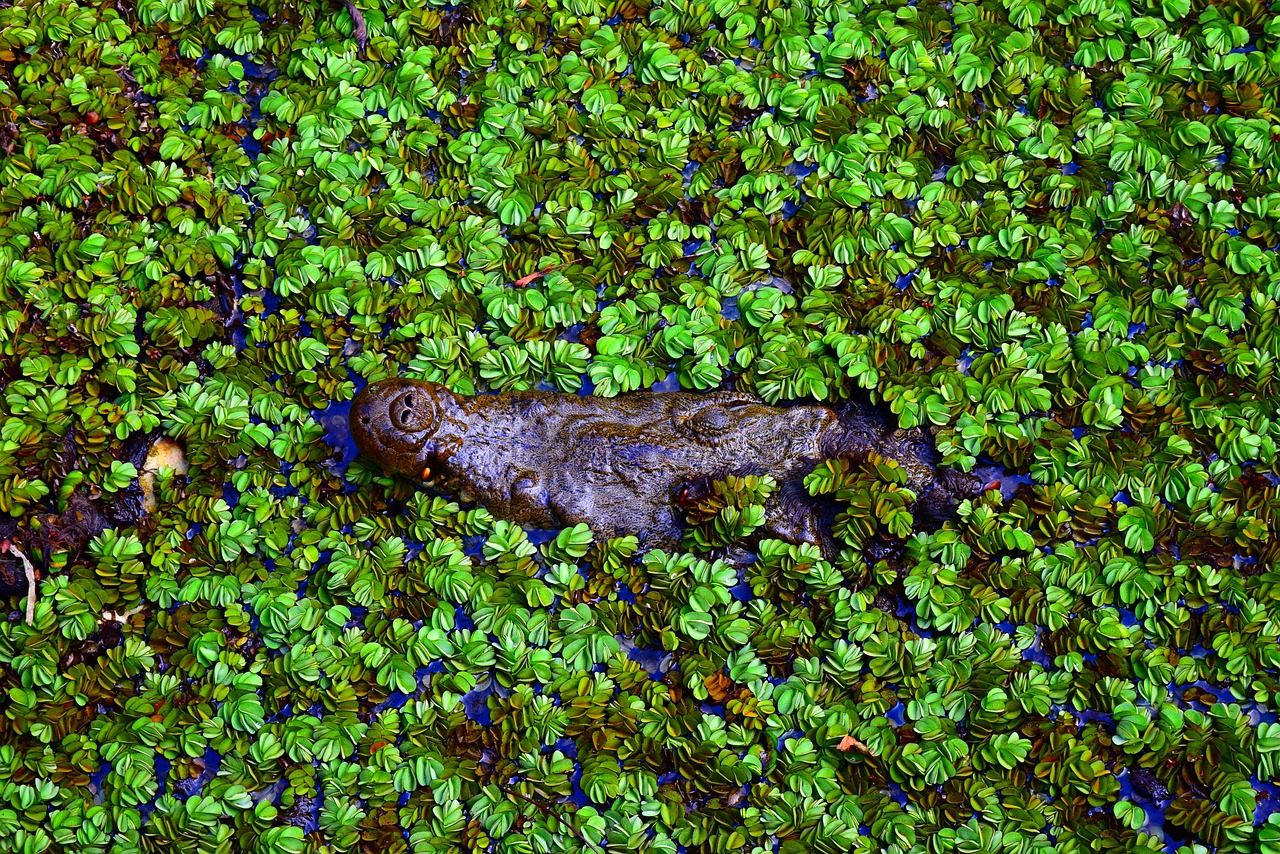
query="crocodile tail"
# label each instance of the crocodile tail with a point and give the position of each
(862, 426)
(942, 496)
(865, 427)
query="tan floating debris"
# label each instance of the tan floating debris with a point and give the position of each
(165, 452)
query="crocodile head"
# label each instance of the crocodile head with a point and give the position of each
(405, 424)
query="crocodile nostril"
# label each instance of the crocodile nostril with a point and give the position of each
(411, 412)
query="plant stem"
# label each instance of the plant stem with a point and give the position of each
(549, 811)
(31, 582)
(361, 29)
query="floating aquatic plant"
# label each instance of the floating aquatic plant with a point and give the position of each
(1045, 231)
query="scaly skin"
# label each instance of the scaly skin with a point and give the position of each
(548, 460)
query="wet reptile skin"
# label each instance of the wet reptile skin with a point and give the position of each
(547, 460)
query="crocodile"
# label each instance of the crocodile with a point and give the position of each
(623, 465)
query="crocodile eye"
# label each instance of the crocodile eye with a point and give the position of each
(712, 422)
(412, 411)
